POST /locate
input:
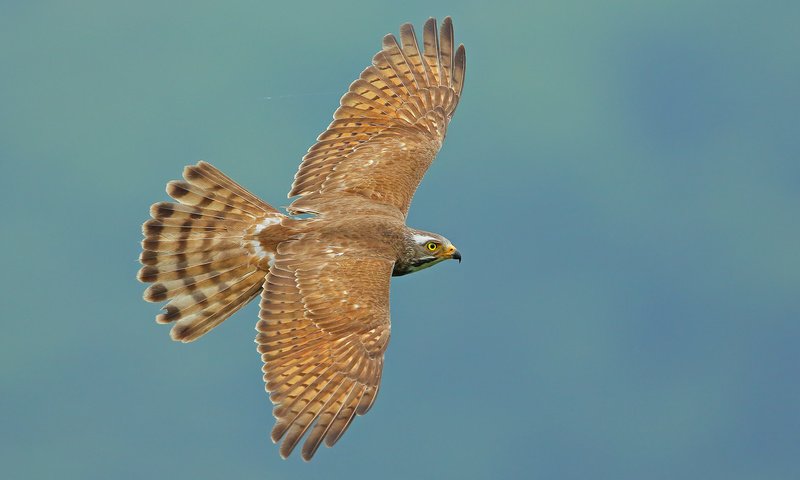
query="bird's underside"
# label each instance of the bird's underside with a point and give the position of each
(324, 280)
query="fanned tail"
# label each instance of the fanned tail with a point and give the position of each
(205, 254)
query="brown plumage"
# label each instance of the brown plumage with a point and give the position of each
(324, 280)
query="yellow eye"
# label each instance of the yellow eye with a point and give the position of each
(432, 246)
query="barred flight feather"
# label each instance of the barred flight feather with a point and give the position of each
(198, 253)
(404, 87)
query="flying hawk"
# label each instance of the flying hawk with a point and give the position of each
(323, 277)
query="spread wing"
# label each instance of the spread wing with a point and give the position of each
(323, 330)
(390, 125)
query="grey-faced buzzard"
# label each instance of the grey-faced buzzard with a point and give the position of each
(323, 278)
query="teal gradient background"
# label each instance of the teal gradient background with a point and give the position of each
(622, 177)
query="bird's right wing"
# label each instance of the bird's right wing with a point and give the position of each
(324, 328)
(389, 127)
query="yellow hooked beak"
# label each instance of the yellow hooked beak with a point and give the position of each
(452, 252)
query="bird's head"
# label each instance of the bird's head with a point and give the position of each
(423, 250)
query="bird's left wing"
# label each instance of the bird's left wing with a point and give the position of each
(389, 127)
(324, 328)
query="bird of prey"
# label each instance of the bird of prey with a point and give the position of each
(323, 269)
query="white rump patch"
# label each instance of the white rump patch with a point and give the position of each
(256, 244)
(266, 223)
(261, 253)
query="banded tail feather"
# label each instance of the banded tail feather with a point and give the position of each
(208, 254)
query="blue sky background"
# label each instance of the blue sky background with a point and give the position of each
(622, 178)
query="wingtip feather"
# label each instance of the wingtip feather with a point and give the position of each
(389, 40)
(155, 293)
(147, 274)
(179, 333)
